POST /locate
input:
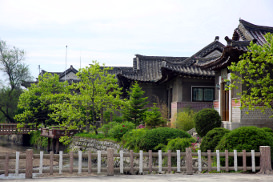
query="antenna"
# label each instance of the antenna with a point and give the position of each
(65, 62)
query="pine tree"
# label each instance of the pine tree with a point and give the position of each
(134, 110)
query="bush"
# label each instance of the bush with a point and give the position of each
(153, 118)
(120, 129)
(154, 137)
(245, 138)
(185, 120)
(106, 127)
(212, 138)
(179, 144)
(37, 139)
(132, 139)
(205, 120)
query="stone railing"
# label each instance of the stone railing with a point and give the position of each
(110, 157)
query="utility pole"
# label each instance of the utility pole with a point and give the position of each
(65, 62)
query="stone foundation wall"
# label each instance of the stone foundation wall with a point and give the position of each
(93, 145)
(17, 139)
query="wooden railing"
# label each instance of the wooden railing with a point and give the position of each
(188, 157)
(11, 128)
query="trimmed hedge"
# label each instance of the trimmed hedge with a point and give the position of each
(120, 129)
(179, 144)
(212, 138)
(246, 138)
(161, 135)
(205, 120)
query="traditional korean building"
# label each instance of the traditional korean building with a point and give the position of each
(224, 102)
(175, 81)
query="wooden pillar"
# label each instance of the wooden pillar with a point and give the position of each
(71, 162)
(57, 145)
(209, 160)
(131, 162)
(189, 169)
(110, 162)
(53, 145)
(226, 160)
(89, 162)
(169, 161)
(29, 163)
(150, 161)
(244, 160)
(265, 160)
(48, 144)
(7, 164)
(51, 163)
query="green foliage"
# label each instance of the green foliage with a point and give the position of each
(96, 90)
(185, 120)
(118, 130)
(245, 138)
(212, 138)
(132, 139)
(37, 139)
(37, 100)
(90, 135)
(179, 144)
(161, 135)
(266, 129)
(153, 118)
(106, 127)
(14, 73)
(254, 71)
(205, 120)
(134, 109)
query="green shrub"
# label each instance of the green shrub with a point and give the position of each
(205, 120)
(185, 120)
(106, 127)
(267, 129)
(153, 118)
(118, 130)
(37, 139)
(154, 137)
(132, 139)
(212, 138)
(179, 144)
(245, 138)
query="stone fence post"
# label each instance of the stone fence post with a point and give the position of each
(189, 169)
(110, 162)
(265, 160)
(29, 164)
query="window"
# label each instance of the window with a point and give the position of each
(202, 94)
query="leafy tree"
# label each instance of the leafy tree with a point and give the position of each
(96, 90)
(134, 110)
(153, 118)
(36, 101)
(254, 71)
(15, 72)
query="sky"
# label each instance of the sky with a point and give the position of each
(113, 31)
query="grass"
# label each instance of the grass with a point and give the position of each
(94, 136)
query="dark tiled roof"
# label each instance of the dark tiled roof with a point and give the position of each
(248, 31)
(242, 36)
(155, 68)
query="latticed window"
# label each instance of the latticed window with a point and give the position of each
(202, 94)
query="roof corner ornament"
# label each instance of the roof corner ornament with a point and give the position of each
(216, 38)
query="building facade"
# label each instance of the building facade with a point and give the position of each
(227, 102)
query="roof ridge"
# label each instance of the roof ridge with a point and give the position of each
(247, 24)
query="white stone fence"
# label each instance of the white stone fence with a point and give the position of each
(164, 162)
